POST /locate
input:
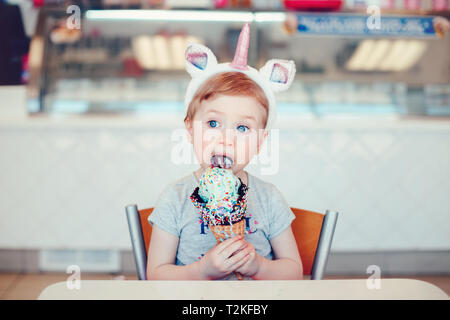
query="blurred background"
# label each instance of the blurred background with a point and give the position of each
(91, 93)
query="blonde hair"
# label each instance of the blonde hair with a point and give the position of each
(228, 83)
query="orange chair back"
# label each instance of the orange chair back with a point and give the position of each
(146, 226)
(306, 228)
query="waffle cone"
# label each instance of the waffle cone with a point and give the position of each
(222, 232)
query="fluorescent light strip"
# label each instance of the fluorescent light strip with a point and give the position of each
(413, 53)
(361, 55)
(162, 53)
(403, 55)
(170, 15)
(270, 17)
(377, 54)
(395, 54)
(143, 51)
(177, 48)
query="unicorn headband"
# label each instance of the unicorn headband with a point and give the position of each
(275, 76)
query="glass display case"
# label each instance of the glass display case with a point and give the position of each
(132, 61)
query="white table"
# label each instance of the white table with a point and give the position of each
(244, 290)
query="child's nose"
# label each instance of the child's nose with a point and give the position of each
(226, 137)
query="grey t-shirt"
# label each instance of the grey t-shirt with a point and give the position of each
(268, 214)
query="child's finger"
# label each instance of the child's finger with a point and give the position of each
(237, 257)
(238, 261)
(221, 245)
(232, 248)
(224, 244)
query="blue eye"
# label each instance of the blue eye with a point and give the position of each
(213, 124)
(242, 128)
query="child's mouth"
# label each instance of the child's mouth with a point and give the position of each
(221, 161)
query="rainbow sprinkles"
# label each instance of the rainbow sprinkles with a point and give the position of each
(221, 197)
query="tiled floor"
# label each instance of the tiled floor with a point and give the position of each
(28, 286)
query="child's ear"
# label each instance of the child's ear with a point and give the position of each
(198, 59)
(189, 130)
(278, 73)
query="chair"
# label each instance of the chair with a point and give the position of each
(313, 233)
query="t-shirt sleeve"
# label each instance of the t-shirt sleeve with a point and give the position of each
(164, 214)
(280, 214)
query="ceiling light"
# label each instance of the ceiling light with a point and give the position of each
(360, 55)
(170, 15)
(377, 54)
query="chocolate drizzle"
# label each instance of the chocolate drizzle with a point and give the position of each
(220, 217)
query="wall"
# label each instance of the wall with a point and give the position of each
(65, 181)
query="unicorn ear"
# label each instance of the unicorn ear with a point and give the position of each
(278, 73)
(198, 58)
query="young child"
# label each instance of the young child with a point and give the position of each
(230, 108)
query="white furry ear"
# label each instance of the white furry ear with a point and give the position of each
(198, 58)
(278, 73)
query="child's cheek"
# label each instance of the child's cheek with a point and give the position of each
(245, 149)
(205, 147)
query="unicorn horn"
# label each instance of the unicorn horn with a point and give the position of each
(240, 57)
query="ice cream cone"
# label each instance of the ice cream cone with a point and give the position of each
(222, 232)
(221, 199)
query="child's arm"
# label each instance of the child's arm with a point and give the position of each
(161, 258)
(215, 264)
(287, 264)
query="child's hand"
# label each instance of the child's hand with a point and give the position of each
(220, 261)
(251, 267)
